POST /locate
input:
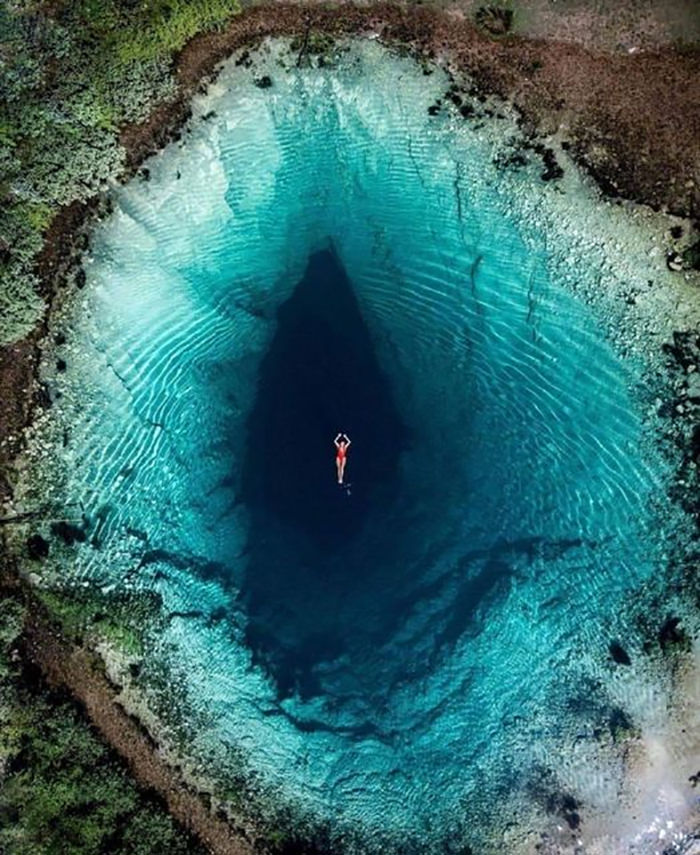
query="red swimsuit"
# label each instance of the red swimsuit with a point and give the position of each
(341, 453)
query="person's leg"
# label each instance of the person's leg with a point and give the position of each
(342, 471)
(339, 466)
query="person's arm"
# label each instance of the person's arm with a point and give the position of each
(347, 440)
(336, 440)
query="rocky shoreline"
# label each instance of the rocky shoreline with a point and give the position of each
(632, 121)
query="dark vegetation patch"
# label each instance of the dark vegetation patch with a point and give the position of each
(691, 256)
(514, 155)
(495, 20)
(672, 633)
(511, 157)
(69, 532)
(619, 654)
(620, 725)
(566, 806)
(453, 95)
(244, 59)
(63, 790)
(543, 787)
(681, 411)
(552, 170)
(312, 47)
(37, 547)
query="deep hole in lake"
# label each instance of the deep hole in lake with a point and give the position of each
(351, 591)
(320, 376)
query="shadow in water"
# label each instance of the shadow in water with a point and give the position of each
(319, 376)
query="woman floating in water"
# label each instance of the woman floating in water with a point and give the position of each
(342, 443)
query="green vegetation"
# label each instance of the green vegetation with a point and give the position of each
(71, 73)
(166, 26)
(63, 792)
(86, 615)
(313, 44)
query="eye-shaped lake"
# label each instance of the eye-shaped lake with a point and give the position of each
(321, 252)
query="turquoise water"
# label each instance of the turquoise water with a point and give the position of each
(401, 655)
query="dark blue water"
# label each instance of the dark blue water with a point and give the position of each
(320, 376)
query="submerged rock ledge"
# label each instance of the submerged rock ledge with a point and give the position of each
(508, 70)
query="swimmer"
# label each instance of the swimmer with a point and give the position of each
(342, 444)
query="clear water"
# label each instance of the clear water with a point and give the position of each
(401, 655)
